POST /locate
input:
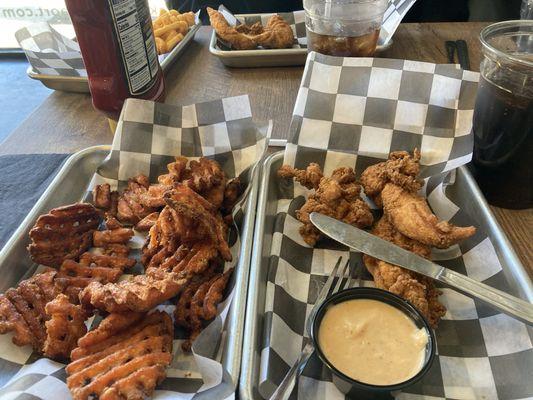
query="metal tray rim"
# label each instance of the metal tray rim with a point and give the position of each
(510, 256)
(231, 359)
(35, 75)
(233, 364)
(168, 60)
(252, 336)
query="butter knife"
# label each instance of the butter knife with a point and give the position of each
(374, 246)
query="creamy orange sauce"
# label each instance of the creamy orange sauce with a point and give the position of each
(372, 342)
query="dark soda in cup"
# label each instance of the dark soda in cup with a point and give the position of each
(503, 116)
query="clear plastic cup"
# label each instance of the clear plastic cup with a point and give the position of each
(347, 28)
(503, 115)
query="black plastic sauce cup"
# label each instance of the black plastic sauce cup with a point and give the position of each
(361, 390)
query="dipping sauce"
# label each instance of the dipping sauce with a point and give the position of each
(372, 342)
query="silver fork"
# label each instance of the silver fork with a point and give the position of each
(344, 281)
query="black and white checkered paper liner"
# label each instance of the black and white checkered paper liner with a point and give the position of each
(148, 137)
(394, 14)
(51, 53)
(354, 112)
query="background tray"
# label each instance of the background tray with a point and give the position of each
(464, 192)
(70, 186)
(79, 84)
(263, 57)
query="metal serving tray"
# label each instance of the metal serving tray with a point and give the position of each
(262, 57)
(465, 191)
(79, 84)
(69, 186)
(259, 57)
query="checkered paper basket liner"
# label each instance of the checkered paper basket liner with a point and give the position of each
(394, 14)
(354, 112)
(148, 137)
(51, 53)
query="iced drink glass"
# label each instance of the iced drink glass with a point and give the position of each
(503, 116)
(345, 28)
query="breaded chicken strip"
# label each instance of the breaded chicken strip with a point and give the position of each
(393, 184)
(418, 290)
(336, 197)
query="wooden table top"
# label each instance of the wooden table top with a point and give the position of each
(67, 122)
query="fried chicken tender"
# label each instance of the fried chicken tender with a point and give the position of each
(122, 362)
(411, 215)
(417, 289)
(64, 233)
(140, 293)
(310, 177)
(277, 34)
(254, 29)
(400, 169)
(336, 196)
(393, 184)
(228, 33)
(65, 326)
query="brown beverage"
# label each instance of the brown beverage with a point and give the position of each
(503, 116)
(503, 145)
(343, 46)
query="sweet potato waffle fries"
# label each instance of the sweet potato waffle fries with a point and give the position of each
(123, 358)
(407, 220)
(186, 215)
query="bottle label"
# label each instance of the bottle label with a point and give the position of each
(131, 19)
